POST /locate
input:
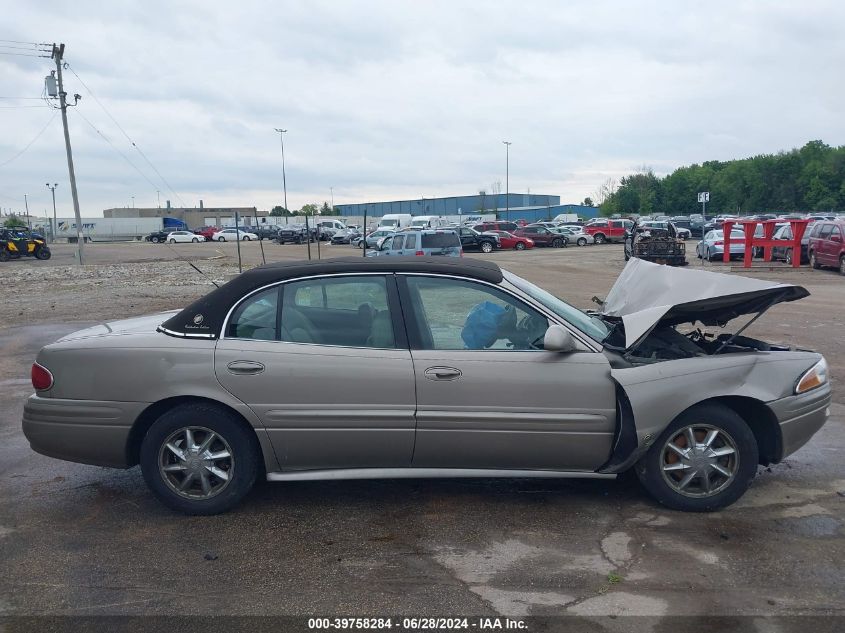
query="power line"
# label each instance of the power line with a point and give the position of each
(37, 136)
(31, 43)
(22, 54)
(128, 138)
(106, 139)
(20, 98)
(18, 107)
(20, 48)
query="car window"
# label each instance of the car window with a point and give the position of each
(440, 240)
(348, 311)
(398, 243)
(826, 230)
(835, 232)
(255, 318)
(454, 314)
(387, 243)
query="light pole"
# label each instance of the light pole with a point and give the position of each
(133, 201)
(26, 204)
(285, 189)
(55, 224)
(158, 197)
(507, 180)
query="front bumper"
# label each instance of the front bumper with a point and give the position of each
(85, 431)
(800, 417)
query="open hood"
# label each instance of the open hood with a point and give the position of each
(646, 294)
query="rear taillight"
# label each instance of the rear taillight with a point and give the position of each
(419, 253)
(718, 243)
(41, 377)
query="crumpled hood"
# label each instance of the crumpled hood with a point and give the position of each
(646, 294)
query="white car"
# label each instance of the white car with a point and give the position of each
(234, 235)
(183, 236)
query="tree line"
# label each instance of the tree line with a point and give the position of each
(307, 209)
(808, 179)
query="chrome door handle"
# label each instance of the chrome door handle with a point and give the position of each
(244, 367)
(443, 373)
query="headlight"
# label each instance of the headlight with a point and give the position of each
(814, 377)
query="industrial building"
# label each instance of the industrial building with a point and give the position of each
(192, 216)
(514, 206)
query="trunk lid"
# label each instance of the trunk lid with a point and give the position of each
(142, 324)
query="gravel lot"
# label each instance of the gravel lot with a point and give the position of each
(79, 540)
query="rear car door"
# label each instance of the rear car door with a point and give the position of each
(325, 365)
(490, 397)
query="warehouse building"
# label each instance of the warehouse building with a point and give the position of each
(514, 206)
(194, 217)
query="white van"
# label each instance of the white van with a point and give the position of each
(427, 221)
(565, 217)
(395, 221)
(330, 227)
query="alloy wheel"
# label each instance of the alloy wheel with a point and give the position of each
(582, 241)
(699, 460)
(486, 247)
(788, 257)
(520, 246)
(196, 463)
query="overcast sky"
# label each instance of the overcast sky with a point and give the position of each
(391, 100)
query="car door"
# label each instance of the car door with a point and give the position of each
(489, 397)
(325, 365)
(398, 246)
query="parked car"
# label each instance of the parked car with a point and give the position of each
(608, 230)
(183, 236)
(345, 236)
(206, 232)
(417, 351)
(233, 235)
(157, 237)
(328, 228)
(373, 238)
(575, 235)
(542, 236)
(712, 246)
(510, 241)
(482, 227)
(826, 246)
(472, 240)
(785, 252)
(682, 232)
(419, 242)
(266, 231)
(295, 233)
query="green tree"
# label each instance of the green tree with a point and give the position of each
(279, 210)
(13, 220)
(308, 209)
(325, 209)
(588, 202)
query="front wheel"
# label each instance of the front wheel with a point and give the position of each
(788, 256)
(582, 241)
(704, 461)
(154, 240)
(600, 238)
(195, 240)
(246, 238)
(557, 243)
(4, 255)
(486, 247)
(520, 246)
(814, 263)
(842, 265)
(172, 241)
(43, 253)
(200, 459)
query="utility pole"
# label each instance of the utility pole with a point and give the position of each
(158, 197)
(58, 55)
(55, 227)
(507, 180)
(331, 189)
(26, 204)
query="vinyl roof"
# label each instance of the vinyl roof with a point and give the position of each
(204, 317)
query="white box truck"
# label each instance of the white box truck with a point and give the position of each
(427, 221)
(395, 221)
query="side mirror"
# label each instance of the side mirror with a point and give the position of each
(558, 339)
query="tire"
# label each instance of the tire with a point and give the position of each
(582, 241)
(519, 246)
(788, 257)
(600, 238)
(43, 253)
(557, 243)
(4, 255)
(246, 238)
(241, 468)
(221, 239)
(298, 240)
(842, 265)
(733, 435)
(814, 263)
(195, 241)
(486, 247)
(172, 241)
(154, 240)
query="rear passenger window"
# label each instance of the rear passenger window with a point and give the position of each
(255, 318)
(398, 243)
(825, 232)
(440, 240)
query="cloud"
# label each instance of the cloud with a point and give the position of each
(385, 100)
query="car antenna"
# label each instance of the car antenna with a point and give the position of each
(179, 258)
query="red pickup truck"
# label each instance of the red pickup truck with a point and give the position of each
(608, 230)
(207, 232)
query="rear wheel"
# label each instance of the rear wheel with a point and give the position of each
(4, 255)
(705, 460)
(246, 238)
(558, 243)
(582, 241)
(486, 247)
(520, 246)
(199, 459)
(814, 263)
(788, 256)
(600, 238)
(172, 241)
(154, 240)
(221, 239)
(842, 265)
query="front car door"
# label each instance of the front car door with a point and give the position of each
(488, 395)
(324, 364)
